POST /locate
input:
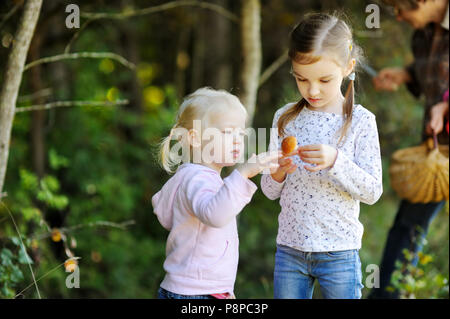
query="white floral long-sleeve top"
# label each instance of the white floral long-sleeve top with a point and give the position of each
(320, 210)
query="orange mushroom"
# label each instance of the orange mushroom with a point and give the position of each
(288, 145)
(70, 265)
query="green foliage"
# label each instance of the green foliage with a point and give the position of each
(27, 215)
(420, 281)
(11, 274)
(46, 190)
(57, 161)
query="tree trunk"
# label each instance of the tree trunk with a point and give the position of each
(251, 55)
(182, 60)
(198, 54)
(38, 117)
(217, 63)
(130, 50)
(13, 77)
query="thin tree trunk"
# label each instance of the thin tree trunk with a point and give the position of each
(130, 43)
(218, 33)
(13, 77)
(182, 60)
(38, 117)
(198, 54)
(251, 55)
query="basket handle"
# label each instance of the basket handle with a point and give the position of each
(432, 142)
(436, 145)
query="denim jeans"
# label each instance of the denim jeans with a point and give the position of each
(408, 231)
(338, 273)
(165, 294)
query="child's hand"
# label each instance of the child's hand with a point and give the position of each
(260, 162)
(389, 79)
(286, 167)
(436, 123)
(320, 154)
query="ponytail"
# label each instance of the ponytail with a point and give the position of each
(169, 158)
(164, 154)
(348, 107)
(289, 115)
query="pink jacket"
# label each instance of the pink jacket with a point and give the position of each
(199, 209)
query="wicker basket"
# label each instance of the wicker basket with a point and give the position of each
(420, 174)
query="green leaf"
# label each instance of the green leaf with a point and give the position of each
(6, 257)
(31, 213)
(59, 202)
(24, 258)
(16, 274)
(28, 180)
(57, 161)
(7, 292)
(15, 240)
(51, 183)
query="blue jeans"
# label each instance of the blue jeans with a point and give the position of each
(338, 272)
(408, 231)
(165, 294)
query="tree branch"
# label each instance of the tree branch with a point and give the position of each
(10, 13)
(167, 6)
(68, 104)
(66, 230)
(122, 225)
(77, 34)
(44, 275)
(73, 56)
(39, 94)
(273, 68)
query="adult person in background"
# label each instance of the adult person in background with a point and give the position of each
(427, 76)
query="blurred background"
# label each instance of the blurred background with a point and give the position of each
(80, 178)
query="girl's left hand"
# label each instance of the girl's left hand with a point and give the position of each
(437, 114)
(320, 154)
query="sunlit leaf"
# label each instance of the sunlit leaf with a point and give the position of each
(153, 97)
(106, 66)
(112, 94)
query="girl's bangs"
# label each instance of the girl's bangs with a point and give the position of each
(306, 58)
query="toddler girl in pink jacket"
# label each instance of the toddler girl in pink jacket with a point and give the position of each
(196, 206)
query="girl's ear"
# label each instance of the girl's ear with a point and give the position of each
(350, 67)
(194, 138)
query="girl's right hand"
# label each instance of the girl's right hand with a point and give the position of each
(257, 163)
(287, 166)
(389, 79)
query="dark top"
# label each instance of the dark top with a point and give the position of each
(429, 72)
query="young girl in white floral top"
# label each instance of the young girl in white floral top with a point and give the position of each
(337, 165)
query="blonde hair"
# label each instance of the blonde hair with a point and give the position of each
(200, 105)
(316, 35)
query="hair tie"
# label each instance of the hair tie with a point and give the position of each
(351, 77)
